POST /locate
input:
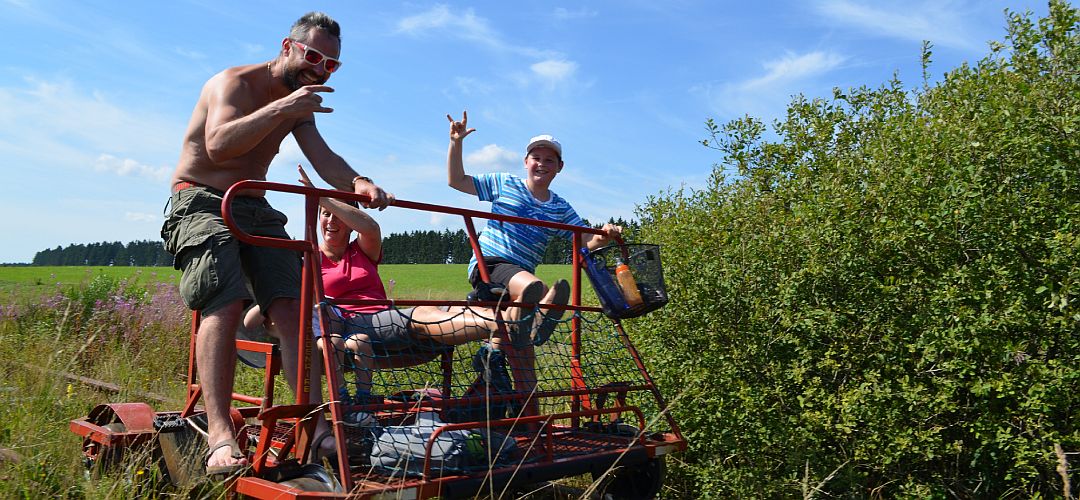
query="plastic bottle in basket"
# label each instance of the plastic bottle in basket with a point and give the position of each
(627, 283)
(605, 287)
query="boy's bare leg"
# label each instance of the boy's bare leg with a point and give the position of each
(523, 359)
(521, 283)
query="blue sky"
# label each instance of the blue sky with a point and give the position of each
(95, 95)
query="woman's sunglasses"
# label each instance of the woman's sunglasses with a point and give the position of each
(314, 57)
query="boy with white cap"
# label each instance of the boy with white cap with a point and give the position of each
(512, 251)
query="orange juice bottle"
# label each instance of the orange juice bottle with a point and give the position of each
(627, 283)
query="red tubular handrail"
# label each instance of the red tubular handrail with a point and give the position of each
(344, 195)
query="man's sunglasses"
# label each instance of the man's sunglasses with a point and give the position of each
(314, 57)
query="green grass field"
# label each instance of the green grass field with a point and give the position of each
(411, 281)
(45, 279)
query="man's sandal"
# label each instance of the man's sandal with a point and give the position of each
(225, 471)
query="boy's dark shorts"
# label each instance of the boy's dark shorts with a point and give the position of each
(216, 266)
(499, 270)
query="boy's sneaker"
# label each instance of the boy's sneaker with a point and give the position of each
(491, 365)
(492, 379)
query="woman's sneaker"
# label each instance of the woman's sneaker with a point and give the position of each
(359, 419)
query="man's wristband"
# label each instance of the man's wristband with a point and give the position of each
(361, 178)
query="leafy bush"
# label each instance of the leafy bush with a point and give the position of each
(883, 301)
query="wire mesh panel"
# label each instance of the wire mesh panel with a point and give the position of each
(477, 368)
(404, 394)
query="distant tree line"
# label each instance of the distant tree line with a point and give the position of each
(135, 253)
(416, 247)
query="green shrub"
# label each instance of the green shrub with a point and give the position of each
(883, 301)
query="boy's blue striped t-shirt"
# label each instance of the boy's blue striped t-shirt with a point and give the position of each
(518, 243)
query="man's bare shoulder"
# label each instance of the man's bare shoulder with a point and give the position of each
(235, 87)
(236, 76)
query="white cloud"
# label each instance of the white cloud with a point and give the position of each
(84, 129)
(564, 14)
(794, 67)
(473, 86)
(554, 71)
(141, 217)
(941, 22)
(437, 219)
(190, 54)
(766, 95)
(466, 25)
(256, 49)
(283, 166)
(491, 158)
(127, 166)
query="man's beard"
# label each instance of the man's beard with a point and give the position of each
(292, 79)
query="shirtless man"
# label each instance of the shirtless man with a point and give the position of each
(242, 115)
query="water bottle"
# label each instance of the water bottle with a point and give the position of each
(610, 297)
(627, 283)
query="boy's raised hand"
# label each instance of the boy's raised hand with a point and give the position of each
(458, 130)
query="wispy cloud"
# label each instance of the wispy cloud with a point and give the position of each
(554, 71)
(473, 86)
(563, 14)
(794, 67)
(464, 25)
(550, 71)
(127, 167)
(141, 217)
(256, 49)
(550, 75)
(766, 95)
(491, 158)
(193, 55)
(84, 129)
(941, 22)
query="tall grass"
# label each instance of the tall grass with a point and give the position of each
(127, 330)
(129, 327)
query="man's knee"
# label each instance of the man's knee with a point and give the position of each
(283, 313)
(222, 317)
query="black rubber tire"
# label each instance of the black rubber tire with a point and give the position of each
(642, 481)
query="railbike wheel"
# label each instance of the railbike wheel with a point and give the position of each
(641, 481)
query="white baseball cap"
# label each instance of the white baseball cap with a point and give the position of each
(544, 140)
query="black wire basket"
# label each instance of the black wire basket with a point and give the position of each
(616, 290)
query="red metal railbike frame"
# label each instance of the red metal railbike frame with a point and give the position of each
(311, 290)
